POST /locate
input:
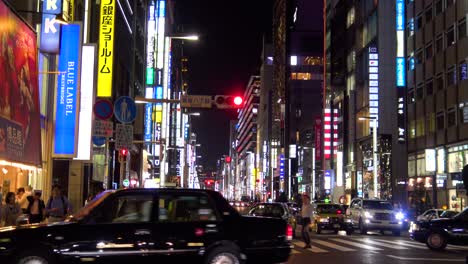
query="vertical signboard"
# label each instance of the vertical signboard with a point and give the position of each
(66, 98)
(50, 29)
(327, 132)
(106, 48)
(20, 130)
(318, 138)
(150, 49)
(86, 102)
(374, 85)
(400, 69)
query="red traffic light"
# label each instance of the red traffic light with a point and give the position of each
(123, 152)
(228, 159)
(238, 100)
(228, 101)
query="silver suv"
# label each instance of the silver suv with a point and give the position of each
(370, 214)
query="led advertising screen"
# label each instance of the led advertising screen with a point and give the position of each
(19, 94)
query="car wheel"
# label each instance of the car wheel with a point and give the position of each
(362, 228)
(436, 241)
(396, 232)
(318, 229)
(223, 255)
(34, 258)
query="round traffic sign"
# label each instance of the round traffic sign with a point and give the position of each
(99, 141)
(103, 109)
(125, 109)
(126, 183)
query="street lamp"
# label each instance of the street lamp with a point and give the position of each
(374, 149)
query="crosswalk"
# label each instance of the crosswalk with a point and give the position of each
(367, 243)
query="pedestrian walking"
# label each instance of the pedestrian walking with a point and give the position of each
(36, 208)
(10, 211)
(306, 214)
(58, 206)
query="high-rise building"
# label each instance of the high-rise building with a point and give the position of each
(361, 88)
(437, 101)
(246, 146)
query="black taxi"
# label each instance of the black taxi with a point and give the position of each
(437, 233)
(151, 226)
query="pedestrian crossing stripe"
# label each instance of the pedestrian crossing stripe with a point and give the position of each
(368, 243)
(380, 244)
(331, 245)
(354, 244)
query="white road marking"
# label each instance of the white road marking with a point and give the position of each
(317, 249)
(456, 247)
(403, 243)
(331, 245)
(381, 244)
(313, 249)
(295, 251)
(354, 244)
(427, 259)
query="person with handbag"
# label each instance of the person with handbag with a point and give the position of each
(10, 211)
(58, 206)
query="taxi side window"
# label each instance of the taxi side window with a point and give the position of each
(185, 208)
(127, 209)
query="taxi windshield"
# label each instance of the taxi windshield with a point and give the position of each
(329, 208)
(83, 212)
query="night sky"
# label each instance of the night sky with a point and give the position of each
(222, 61)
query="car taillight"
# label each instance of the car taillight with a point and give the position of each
(199, 232)
(289, 232)
(339, 212)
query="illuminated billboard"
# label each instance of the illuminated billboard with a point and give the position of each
(400, 67)
(66, 97)
(106, 48)
(86, 102)
(374, 85)
(19, 94)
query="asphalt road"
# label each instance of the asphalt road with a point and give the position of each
(372, 248)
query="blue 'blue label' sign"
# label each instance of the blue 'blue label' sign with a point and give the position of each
(50, 29)
(400, 72)
(66, 114)
(125, 109)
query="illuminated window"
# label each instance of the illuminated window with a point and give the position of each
(313, 61)
(301, 76)
(420, 128)
(350, 17)
(430, 123)
(412, 129)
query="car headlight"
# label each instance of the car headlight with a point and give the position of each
(399, 216)
(323, 220)
(367, 215)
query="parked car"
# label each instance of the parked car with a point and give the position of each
(151, 226)
(372, 214)
(275, 210)
(435, 214)
(437, 233)
(329, 216)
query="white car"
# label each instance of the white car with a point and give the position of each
(370, 214)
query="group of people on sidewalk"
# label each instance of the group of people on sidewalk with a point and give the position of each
(29, 202)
